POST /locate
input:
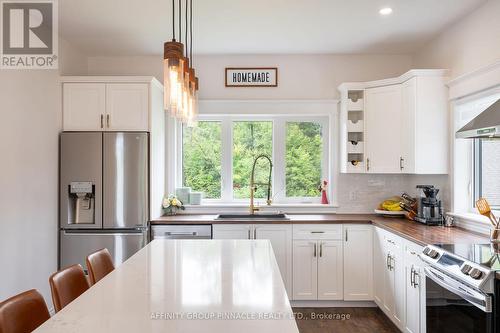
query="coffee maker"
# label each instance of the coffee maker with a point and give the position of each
(430, 210)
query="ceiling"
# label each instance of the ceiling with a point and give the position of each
(139, 27)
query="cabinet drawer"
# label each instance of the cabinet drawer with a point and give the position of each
(317, 231)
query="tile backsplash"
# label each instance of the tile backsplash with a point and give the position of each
(361, 193)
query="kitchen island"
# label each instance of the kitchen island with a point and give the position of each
(185, 286)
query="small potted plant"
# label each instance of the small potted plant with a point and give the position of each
(172, 205)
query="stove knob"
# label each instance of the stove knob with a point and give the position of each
(433, 254)
(426, 251)
(475, 274)
(466, 269)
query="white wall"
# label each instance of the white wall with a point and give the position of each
(469, 44)
(300, 76)
(31, 120)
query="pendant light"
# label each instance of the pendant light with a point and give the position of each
(180, 81)
(193, 80)
(173, 75)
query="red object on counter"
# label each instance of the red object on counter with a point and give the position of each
(324, 198)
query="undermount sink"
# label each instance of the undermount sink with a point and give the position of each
(263, 216)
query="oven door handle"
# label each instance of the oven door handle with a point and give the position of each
(477, 299)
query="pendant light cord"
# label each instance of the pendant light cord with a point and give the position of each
(173, 20)
(186, 33)
(191, 32)
(180, 20)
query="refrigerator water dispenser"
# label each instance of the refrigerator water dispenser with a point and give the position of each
(81, 203)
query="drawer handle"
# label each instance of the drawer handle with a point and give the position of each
(317, 232)
(180, 233)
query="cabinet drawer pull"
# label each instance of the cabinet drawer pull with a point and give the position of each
(249, 233)
(317, 232)
(346, 238)
(401, 163)
(107, 120)
(314, 254)
(412, 277)
(367, 164)
(102, 121)
(321, 249)
(254, 233)
(415, 276)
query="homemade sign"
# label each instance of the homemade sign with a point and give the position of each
(252, 77)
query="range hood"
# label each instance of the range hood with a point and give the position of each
(485, 125)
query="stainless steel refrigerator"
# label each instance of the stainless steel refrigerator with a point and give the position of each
(103, 194)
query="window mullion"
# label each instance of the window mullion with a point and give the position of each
(227, 163)
(279, 153)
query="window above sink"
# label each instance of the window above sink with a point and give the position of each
(216, 157)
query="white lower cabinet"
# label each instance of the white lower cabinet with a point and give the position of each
(330, 272)
(317, 262)
(398, 282)
(305, 270)
(231, 231)
(414, 287)
(280, 236)
(358, 262)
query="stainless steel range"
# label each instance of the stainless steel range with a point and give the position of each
(461, 288)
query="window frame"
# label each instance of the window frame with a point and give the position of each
(477, 180)
(278, 156)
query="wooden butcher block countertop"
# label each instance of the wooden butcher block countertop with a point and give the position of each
(413, 231)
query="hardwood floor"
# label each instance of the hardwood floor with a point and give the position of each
(343, 320)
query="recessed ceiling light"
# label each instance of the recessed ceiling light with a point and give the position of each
(385, 11)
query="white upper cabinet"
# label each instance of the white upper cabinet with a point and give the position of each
(109, 103)
(127, 107)
(84, 106)
(426, 123)
(383, 130)
(404, 127)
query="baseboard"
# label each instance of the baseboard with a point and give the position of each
(333, 304)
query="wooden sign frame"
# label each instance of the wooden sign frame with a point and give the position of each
(230, 85)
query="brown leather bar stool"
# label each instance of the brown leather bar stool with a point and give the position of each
(66, 285)
(23, 313)
(99, 265)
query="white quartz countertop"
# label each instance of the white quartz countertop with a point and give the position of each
(185, 286)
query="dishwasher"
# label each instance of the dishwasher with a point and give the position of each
(181, 231)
